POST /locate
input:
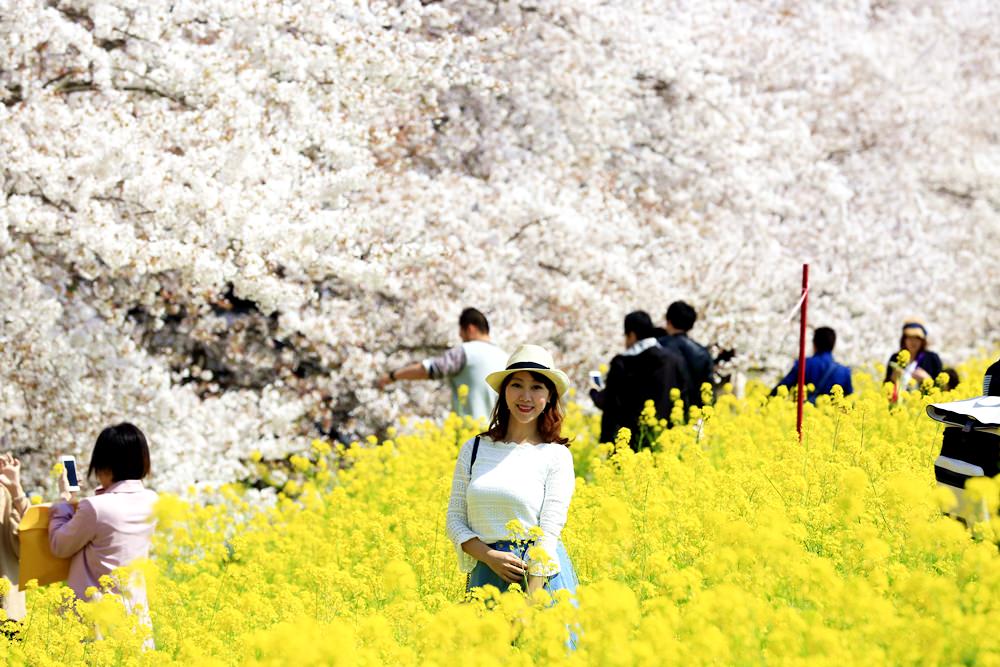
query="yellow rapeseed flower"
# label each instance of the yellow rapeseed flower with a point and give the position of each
(730, 541)
(300, 463)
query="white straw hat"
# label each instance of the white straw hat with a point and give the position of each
(532, 358)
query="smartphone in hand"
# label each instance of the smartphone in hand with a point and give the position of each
(69, 462)
(596, 380)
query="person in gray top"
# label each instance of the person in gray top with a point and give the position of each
(467, 364)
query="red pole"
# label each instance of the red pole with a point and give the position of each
(802, 349)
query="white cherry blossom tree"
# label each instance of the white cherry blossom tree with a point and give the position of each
(222, 220)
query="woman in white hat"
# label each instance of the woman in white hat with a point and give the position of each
(519, 469)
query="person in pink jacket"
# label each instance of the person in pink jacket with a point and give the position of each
(114, 527)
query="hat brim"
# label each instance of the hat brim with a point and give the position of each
(559, 379)
(983, 410)
(915, 331)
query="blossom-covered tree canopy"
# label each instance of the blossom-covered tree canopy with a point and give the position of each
(223, 219)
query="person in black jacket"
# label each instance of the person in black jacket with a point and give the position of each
(644, 371)
(991, 380)
(680, 318)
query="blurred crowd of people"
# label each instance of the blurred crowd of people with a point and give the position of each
(663, 364)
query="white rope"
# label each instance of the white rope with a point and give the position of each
(795, 309)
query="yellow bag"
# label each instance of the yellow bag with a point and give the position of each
(37, 561)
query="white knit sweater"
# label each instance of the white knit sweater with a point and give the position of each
(531, 483)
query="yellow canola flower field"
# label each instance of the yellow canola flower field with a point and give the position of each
(729, 543)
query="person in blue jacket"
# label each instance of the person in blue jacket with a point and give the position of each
(822, 372)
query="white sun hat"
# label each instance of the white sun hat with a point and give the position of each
(980, 413)
(532, 358)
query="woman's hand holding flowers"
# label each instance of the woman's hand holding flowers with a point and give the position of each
(507, 566)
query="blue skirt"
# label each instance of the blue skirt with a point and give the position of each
(565, 579)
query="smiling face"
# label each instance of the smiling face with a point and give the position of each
(526, 397)
(913, 344)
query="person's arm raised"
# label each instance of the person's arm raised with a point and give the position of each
(414, 371)
(10, 477)
(450, 363)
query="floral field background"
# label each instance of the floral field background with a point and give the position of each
(729, 543)
(223, 220)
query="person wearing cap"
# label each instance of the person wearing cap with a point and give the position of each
(518, 470)
(924, 364)
(644, 371)
(466, 364)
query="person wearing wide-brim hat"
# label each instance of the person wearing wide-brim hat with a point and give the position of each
(520, 469)
(922, 364)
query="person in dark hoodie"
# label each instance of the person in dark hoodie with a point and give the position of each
(644, 371)
(680, 318)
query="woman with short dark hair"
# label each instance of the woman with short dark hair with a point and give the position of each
(114, 527)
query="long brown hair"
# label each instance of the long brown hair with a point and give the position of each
(549, 422)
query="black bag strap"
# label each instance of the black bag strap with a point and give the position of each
(822, 381)
(475, 450)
